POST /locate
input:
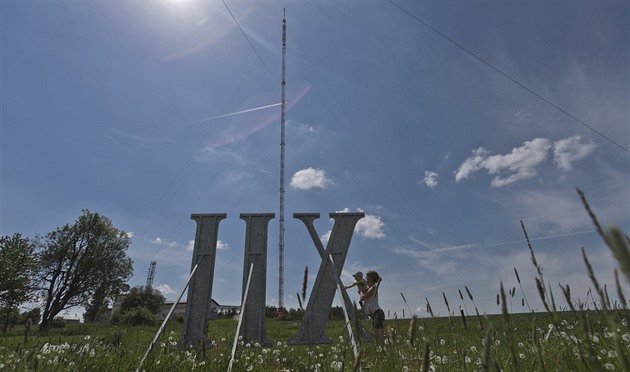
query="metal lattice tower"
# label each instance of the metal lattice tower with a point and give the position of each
(150, 276)
(282, 109)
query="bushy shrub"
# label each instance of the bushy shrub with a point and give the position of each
(58, 322)
(135, 316)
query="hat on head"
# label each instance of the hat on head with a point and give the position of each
(359, 274)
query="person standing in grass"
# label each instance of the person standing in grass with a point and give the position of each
(372, 308)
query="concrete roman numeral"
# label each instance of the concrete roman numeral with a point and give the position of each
(311, 330)
(253, 316)
(200, 288)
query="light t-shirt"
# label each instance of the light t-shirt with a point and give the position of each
(371, 303)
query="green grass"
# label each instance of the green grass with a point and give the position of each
(579, 340)
(574, 340)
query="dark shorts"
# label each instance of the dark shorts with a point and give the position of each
(378, 318)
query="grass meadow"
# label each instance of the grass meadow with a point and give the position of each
(591, 336)
(572, 341)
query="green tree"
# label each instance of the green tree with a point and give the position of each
(96, 306)
(135, 316)
(80, 259)
(19, 265)
(141, 296)
(34, 314)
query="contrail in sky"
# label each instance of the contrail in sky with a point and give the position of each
(236, 113)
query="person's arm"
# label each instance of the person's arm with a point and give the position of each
(378, 284)
(351, 285)
(369, 293)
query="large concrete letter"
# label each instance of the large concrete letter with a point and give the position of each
(200, 288)
(253, 315)
(320, 301)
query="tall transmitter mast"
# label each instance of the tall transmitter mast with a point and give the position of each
(282, 109)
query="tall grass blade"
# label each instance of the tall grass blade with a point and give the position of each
(566, 291)
(425, 358)
(598, 227)
(591, 275)
(622, 298)
(408, 308)
(429, 307)
(411, 333)
(485, 359)
(620, 246)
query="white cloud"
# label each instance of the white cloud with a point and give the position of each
(369, 227)
(326, 237)
(160, 241)
(129, 234)
(220, 245)
(471, 165)
(430, 179)
(522, 162)
(568, 150)
(518, 165)
(310, 178)
(165, 289)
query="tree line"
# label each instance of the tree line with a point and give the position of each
(80, 264)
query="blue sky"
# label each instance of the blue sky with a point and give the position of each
(447, 123)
